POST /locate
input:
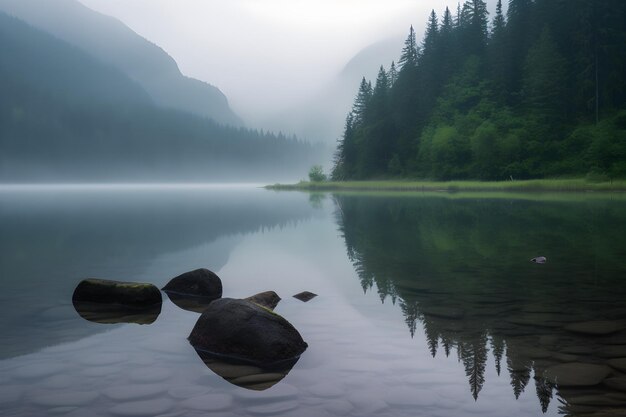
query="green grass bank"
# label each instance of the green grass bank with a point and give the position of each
(561, 185)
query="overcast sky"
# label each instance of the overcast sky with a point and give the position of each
(253, 50)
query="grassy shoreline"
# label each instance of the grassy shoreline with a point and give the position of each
(560, 185)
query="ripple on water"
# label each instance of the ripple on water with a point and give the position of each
(143, 408)
(134, 391)
(11, 394)
(273, 408)
(150, 375)
(338, 407)
(38, 370)
(64, 399)
(187, 391)
(102, 359)
(209, 402)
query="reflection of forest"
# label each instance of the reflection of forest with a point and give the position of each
(461, 268)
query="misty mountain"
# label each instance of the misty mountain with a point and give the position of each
(113, 43)
(322, 117)
(66, 116)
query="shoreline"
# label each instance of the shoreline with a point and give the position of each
(555, 185)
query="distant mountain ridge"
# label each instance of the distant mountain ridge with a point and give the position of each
(113, 43)
(322, 117)
(65, 116)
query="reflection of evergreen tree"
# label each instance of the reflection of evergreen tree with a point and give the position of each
(432, 337)
(520, 370)
(497, 346)
(451, 264)
(473, 354)
(411, 315)
(544, 392)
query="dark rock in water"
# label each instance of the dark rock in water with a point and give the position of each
(117, 313)
(198, 283)
(131, 294)
(244, 374)
(305, 296)
(539, 260)
(268, 299)
(242, 330)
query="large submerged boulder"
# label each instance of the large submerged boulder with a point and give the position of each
(242, 330)
(196, 283)
(132, 294)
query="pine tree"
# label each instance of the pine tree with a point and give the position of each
(519, 24)
(474, 26)
(345, 153)
(361, 102)
(393, 74)
(498, 53)
(544, 80)
(431, 36)
(409, 57)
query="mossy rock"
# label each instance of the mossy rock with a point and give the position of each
(130, 294)
(197, 283)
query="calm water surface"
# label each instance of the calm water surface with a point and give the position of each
(428, 304)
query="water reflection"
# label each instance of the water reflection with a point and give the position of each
(190, 303)
(246, 375)
(117, 313)
(459, 269)
(51, 238)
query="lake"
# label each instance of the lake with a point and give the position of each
(428, 304)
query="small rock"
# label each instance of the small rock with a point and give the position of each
(305, 296)
(267, 299)
(577, 374)
(539, 260)
(198, 283)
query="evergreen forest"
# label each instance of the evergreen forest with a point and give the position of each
(536, 91)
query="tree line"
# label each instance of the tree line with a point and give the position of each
(536, 91)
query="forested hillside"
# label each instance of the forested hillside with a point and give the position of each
(113, 43)
(66, 116)
(538, 91)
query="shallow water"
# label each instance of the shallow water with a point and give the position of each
(428, 305)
